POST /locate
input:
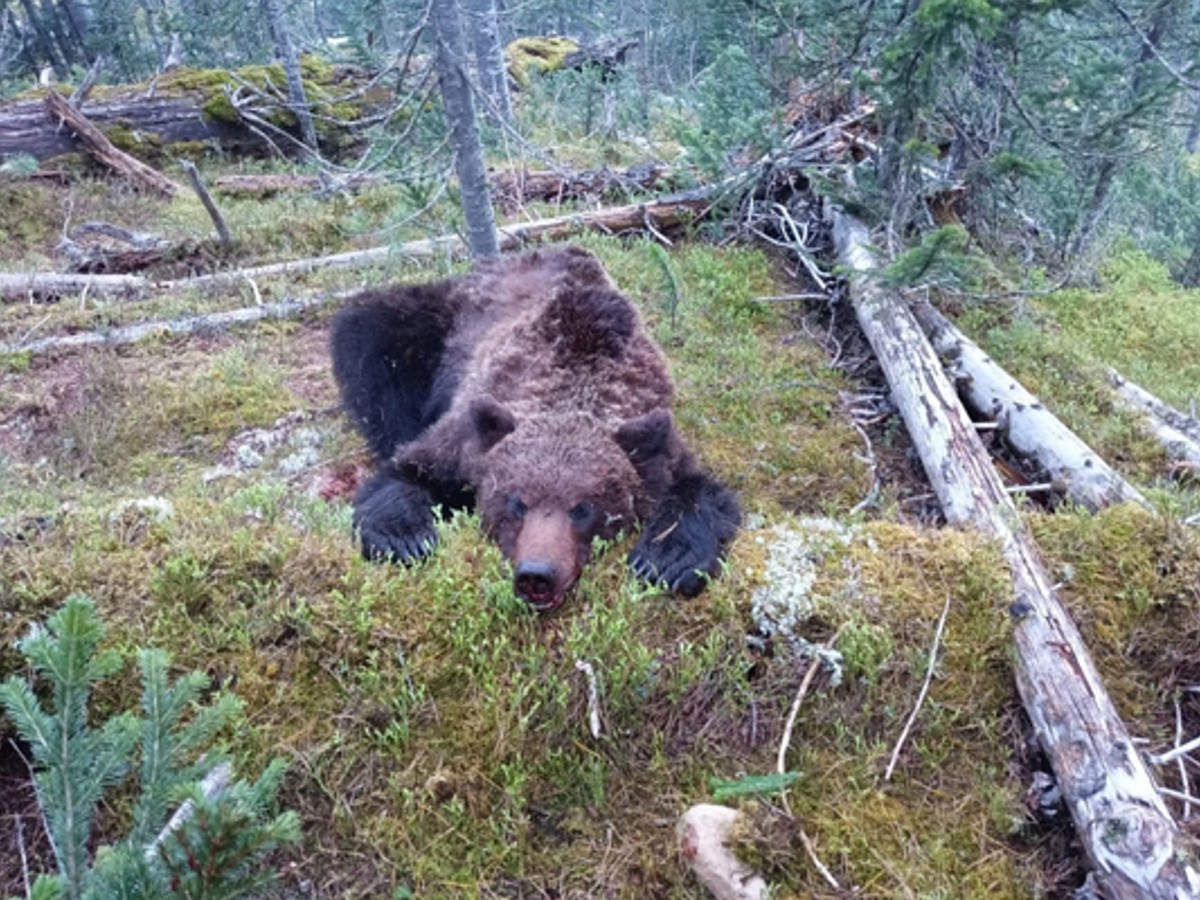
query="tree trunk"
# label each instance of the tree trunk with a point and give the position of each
(459, 109)
(1192, 142)
(47, 44)
(297, 100)
(1030, 428)
(489, 58)
(1128, 836)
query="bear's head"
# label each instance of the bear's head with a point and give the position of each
(547, 486)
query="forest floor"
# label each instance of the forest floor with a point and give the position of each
(436, 732)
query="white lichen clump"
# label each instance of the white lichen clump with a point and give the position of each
(785, 600)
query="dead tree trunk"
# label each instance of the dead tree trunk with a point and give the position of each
(297, 100)
(1178, 432)
(104, 152)
(1030, 428)
(1129, 837)
(459, 108)
(489, 58)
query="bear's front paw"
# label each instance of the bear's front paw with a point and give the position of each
(394, 521)
(677, 557)
(404, 547)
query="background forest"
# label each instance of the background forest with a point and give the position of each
(1071, 125)
(184, 618)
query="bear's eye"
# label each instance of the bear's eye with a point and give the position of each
(581, 513)
(516, 508)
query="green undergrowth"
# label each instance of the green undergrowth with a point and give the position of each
(437, 734)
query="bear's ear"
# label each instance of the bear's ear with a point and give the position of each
(646, 437)
(491, 421)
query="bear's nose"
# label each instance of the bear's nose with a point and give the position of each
(534, 583)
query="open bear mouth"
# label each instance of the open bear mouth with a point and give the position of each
(545, 602)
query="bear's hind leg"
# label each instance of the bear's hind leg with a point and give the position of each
(683, 543)
(387, 349)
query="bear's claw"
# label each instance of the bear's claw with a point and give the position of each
(673, 565)
(394, 520)
(401, 548)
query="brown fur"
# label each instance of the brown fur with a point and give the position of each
(555, 413)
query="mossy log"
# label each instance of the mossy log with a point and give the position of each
(1133, 845)
(529, 56)
(137, 124)
(185, 110)
(1030, 429)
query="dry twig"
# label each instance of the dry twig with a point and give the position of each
(593, 696)
(912, 718)
(780, 764)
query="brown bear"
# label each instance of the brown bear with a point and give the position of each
(530, 388)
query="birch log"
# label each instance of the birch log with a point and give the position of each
(1030, 428)
(1178, 432)
(1131, 842)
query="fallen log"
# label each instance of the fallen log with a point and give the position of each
(1131, 842)
(1030, 428)
(1176, 431)
(541, 55)
(103, 151)
(664, 214)
(43, 286)
(262, 186)
(132, 334)
(512, 189)
(158, 121)
(192, 106)
(661, 215)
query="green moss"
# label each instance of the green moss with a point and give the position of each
(219, 108)
(145, 145)
(1132, 583)
(193, 150)
(530, 56)
(15, 363)
(214, 86)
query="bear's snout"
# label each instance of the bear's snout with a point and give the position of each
(546, 559)
(535, 582)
